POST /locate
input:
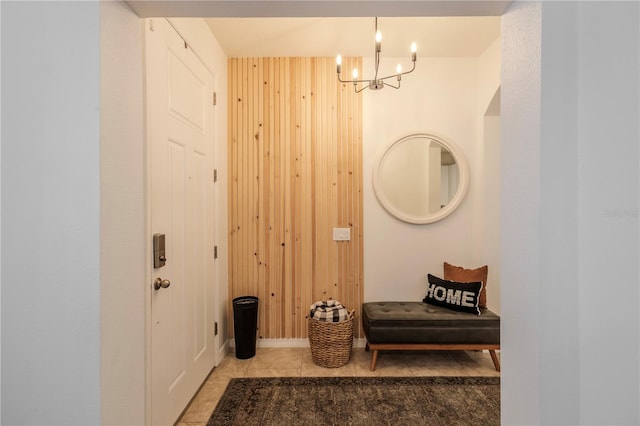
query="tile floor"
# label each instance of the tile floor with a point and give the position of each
(285, 362)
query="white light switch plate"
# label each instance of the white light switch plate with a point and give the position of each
(341, 234)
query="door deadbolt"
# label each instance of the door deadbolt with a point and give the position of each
(160, 283)
(159, 257)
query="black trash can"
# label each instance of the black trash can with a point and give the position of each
(245, 324)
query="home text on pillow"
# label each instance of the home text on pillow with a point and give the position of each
(453, 297)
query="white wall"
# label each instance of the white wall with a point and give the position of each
(559, 251)
(490, 244)
(608, 184)
(570, 107)
(123, 217)
(0, 216)
(54, 219)
(486, 224)
(520, 211)
(124, 252)
(440, 97)
(50, 213)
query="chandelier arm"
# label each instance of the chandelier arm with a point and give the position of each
(361, 89)
(391, 85)
(411, 70)
(387, 77)
(402, 73)
(351, 81)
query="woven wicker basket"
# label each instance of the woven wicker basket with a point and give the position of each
(331, 342)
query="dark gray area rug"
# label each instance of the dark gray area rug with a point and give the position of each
(360, 401)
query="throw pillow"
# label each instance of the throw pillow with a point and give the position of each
(457, 296)
(462, 275)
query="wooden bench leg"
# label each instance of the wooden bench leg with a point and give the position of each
(374, 359)
(494, 358)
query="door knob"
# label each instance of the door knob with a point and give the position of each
(160, 283)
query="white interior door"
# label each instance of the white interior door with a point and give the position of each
(180, 149)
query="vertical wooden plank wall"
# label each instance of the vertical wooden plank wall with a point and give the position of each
(295, 162)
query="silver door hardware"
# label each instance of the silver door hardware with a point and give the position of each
(159, 258)
(160, 283)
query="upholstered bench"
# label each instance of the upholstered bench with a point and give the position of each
(422, 326)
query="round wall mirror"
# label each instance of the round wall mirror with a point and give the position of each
(421, 178)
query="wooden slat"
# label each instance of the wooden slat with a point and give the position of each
(315, 89)
(307, 235)
(233, 191)
(296, 200)
(265, 179)
(255, 190)
(289, 182)
(356, 217)
(260, 224)
(244, 172)
(295, 162)
(276, 253)
(289, 196)
(325, 150)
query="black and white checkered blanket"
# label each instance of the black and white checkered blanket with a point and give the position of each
(329, 311)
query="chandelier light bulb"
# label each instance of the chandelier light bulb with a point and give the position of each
(414, 49)
(378, 37)
(339, 63)
(399, 69)
(355, 73)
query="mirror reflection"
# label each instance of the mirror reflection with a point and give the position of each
(418, 178)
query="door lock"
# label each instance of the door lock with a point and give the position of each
(160, 283)
(159, 258)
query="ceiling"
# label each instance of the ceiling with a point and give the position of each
(328, 27)
(313, 8)
(461, 36)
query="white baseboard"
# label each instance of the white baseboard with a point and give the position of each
(359, 343)
(282, 343)
(222, 351)
(289, 343)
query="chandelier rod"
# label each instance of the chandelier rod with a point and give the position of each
(377, 49)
